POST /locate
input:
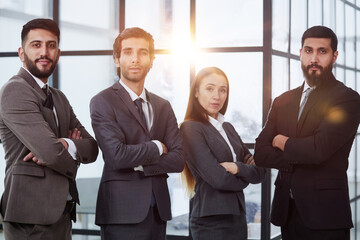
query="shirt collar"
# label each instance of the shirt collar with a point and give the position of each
(37, 80)
(217, 123)
(132, 94)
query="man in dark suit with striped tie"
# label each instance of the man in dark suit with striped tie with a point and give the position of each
(139, 137)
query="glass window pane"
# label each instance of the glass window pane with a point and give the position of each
(280, 28)
(274, 230)
(95, 73)
(358, 41)
(351, 172)
(315, 13)
(280, 76)
(298, 24)
(244, 71)
(340, 74)
(168, 21)
(350, 36)
(229, 23)
(9, 67)
(350, 79)
(170, 79)
(340, 26)
(296, 74)
(13, 15)
(353, 210)
(329, 13)
(86, 32)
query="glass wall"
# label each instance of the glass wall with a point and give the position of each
(189, 35)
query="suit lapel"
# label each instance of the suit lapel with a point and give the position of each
(47, 113)
(220, 139)
(232, 136)
(293, 111)
(126, 99)
(62, 129)
(155, 111)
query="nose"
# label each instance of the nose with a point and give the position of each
(314, 58)
(135, 58)
(216, 95)
(43, 51)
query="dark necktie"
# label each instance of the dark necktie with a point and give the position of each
(49, 103)
(138, 103)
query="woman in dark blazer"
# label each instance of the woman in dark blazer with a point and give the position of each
(218, 164)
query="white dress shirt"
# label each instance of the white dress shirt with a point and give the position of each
(217, 123)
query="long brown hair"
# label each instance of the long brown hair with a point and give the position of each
(196, 112)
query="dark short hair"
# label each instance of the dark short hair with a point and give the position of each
(42, 23)
(321, 32)
(194, 110)
(134, 32)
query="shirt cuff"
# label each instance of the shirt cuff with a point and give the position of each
(139, 168)
(72, 148)
(158, 144)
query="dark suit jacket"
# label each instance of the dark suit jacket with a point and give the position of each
(124, 194)
(36, 194)
(217, 191)
(315, 159)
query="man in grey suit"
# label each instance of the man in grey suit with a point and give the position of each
(44, 143)
(140, 141)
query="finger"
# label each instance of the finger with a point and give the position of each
(69, 134)
(29, 156)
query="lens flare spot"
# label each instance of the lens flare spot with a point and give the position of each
(337, 115)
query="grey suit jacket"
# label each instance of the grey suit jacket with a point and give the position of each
(217, 191)
(124, 194)
(37, 194)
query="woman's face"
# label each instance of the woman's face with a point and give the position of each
(212, 93)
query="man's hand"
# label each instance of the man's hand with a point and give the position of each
(230, 167)
(249, 159)
(165, 150)
(279, 141)
(74, 134)
(30, 157)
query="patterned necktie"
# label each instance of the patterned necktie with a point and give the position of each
(302, 104)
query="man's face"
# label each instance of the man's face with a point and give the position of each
(317, 60)
(40, 53)
(134, 61)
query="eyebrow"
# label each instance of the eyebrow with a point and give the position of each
(39, 41)
(320, 48)
(130, 48)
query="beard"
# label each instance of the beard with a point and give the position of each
(34, 70)
(317, 80)
(137, 78)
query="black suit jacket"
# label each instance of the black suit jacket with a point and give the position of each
(124, 195)
(217, 191)
(315, 159)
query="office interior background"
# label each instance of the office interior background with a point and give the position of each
(256, 43)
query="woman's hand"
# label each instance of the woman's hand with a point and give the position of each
(230, 167)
